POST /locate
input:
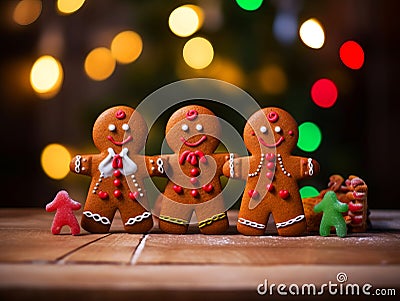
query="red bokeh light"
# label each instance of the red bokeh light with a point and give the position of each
(324, 93)
(352, 55)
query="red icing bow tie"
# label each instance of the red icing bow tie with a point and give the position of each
(192, 157)
(117, 162)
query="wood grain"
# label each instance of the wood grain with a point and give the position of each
(266, 250)
(19, 245)
(34, 264)
(115, 248)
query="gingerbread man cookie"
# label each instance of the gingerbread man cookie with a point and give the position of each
(272, 173)
(192, 133)
(119, 133)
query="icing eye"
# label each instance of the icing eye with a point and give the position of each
(278, 129)
(199, 127)
(185, 127)
(263, 129)
(125, 127)
(111, 127)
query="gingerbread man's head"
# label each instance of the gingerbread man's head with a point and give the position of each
(269, 129)
(193, 128)
(119, 127)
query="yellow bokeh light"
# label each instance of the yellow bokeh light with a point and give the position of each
(312, 34)
(55, 160)
(99, 64)
(46, 76)
(198, 53)
(27, 11)
(185, 20)
(69, 6)
(126, 47)
(273, 80)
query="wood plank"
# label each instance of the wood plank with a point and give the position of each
(35, 245)
(115, 248)
(371, 248)
(110, 282)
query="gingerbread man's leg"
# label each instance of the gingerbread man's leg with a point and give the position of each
(97, 214)
(212, 216)
(252, 221)
(135, 217)
(292, 224)
(174, 217)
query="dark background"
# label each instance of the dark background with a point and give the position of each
(360, 131)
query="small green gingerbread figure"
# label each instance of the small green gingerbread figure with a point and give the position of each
(332, 215)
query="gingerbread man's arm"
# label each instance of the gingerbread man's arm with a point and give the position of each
(308, 168)
(156, 165)
(81, 164)
(220, 160)
(236, 168)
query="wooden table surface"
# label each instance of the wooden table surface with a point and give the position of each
(118, 266)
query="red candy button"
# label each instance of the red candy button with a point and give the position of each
(193, 180)
(194, 172)
(208, 188)
(270, 175)
(270, 157)
(117, 193)
(194, 193)
(103, 195)
(117, 182)
(253, 193)
(178, 189)
(284, 194)
(132, 195)
(271, 165)
(270, 187)
(117, 173)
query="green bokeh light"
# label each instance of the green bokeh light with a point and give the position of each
(308, 192)
(309, 137)
(249, 4)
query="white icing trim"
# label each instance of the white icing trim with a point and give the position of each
(137, 219)
(290, 222)
(97, 217)
(249, 223)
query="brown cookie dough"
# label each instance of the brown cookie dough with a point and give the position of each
(119, 133)
(194, 173)
(272, 173)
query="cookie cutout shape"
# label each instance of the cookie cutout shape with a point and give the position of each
(119, 133)
(332, 216)
(272, 173)
(64, 206)
(194, 186)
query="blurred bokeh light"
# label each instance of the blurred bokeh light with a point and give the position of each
(198, 53)
(185, 20)
(46, 76)
(126, 47)
(27, 11)
(69, 6)
(55, 161)
(312, 34)
(99, 64)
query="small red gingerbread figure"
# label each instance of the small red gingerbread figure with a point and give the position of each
(272, 173)
(64, 206)
(119, 133)
(194, 172)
